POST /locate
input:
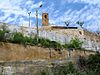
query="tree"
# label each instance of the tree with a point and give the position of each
(67, 23)
(80, 23)
(74, 43)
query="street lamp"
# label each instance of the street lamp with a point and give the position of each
(29, 13)
(37, 34)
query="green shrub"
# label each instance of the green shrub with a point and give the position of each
(55, 45)
(75, 43)
(34, 41)
(91, 65)
(2, 35)
(28, 40)
(18, 38)
(49, 44)
(44, 42)
(82, 62)
(61, 70)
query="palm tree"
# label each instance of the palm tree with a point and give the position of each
(80, 23)
(67, 23)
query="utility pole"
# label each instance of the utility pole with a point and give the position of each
(37, 34)
(29, 13)
(37, 25)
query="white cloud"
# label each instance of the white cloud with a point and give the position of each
(92, 27)
(90, 13)
(91, 1)
(9, 19)
(25, 23)
(13, 7)
(81, 1)
(36, 6)
(3, 17)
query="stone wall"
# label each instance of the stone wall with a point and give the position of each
(91, 40)
(22, 67)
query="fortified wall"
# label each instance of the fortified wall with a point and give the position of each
(60, 34)
(91, 41)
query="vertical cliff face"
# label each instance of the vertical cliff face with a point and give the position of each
(16, 52)
(13, 52)
(16, 59)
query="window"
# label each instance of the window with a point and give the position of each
(45, 16)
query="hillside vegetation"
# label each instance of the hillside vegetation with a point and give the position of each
(16, 45)
(84, 66)
(19, 38)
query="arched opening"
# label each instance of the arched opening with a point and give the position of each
(45, 16)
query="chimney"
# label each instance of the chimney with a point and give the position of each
(45, 19)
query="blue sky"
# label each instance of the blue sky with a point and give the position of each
(15, 12)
